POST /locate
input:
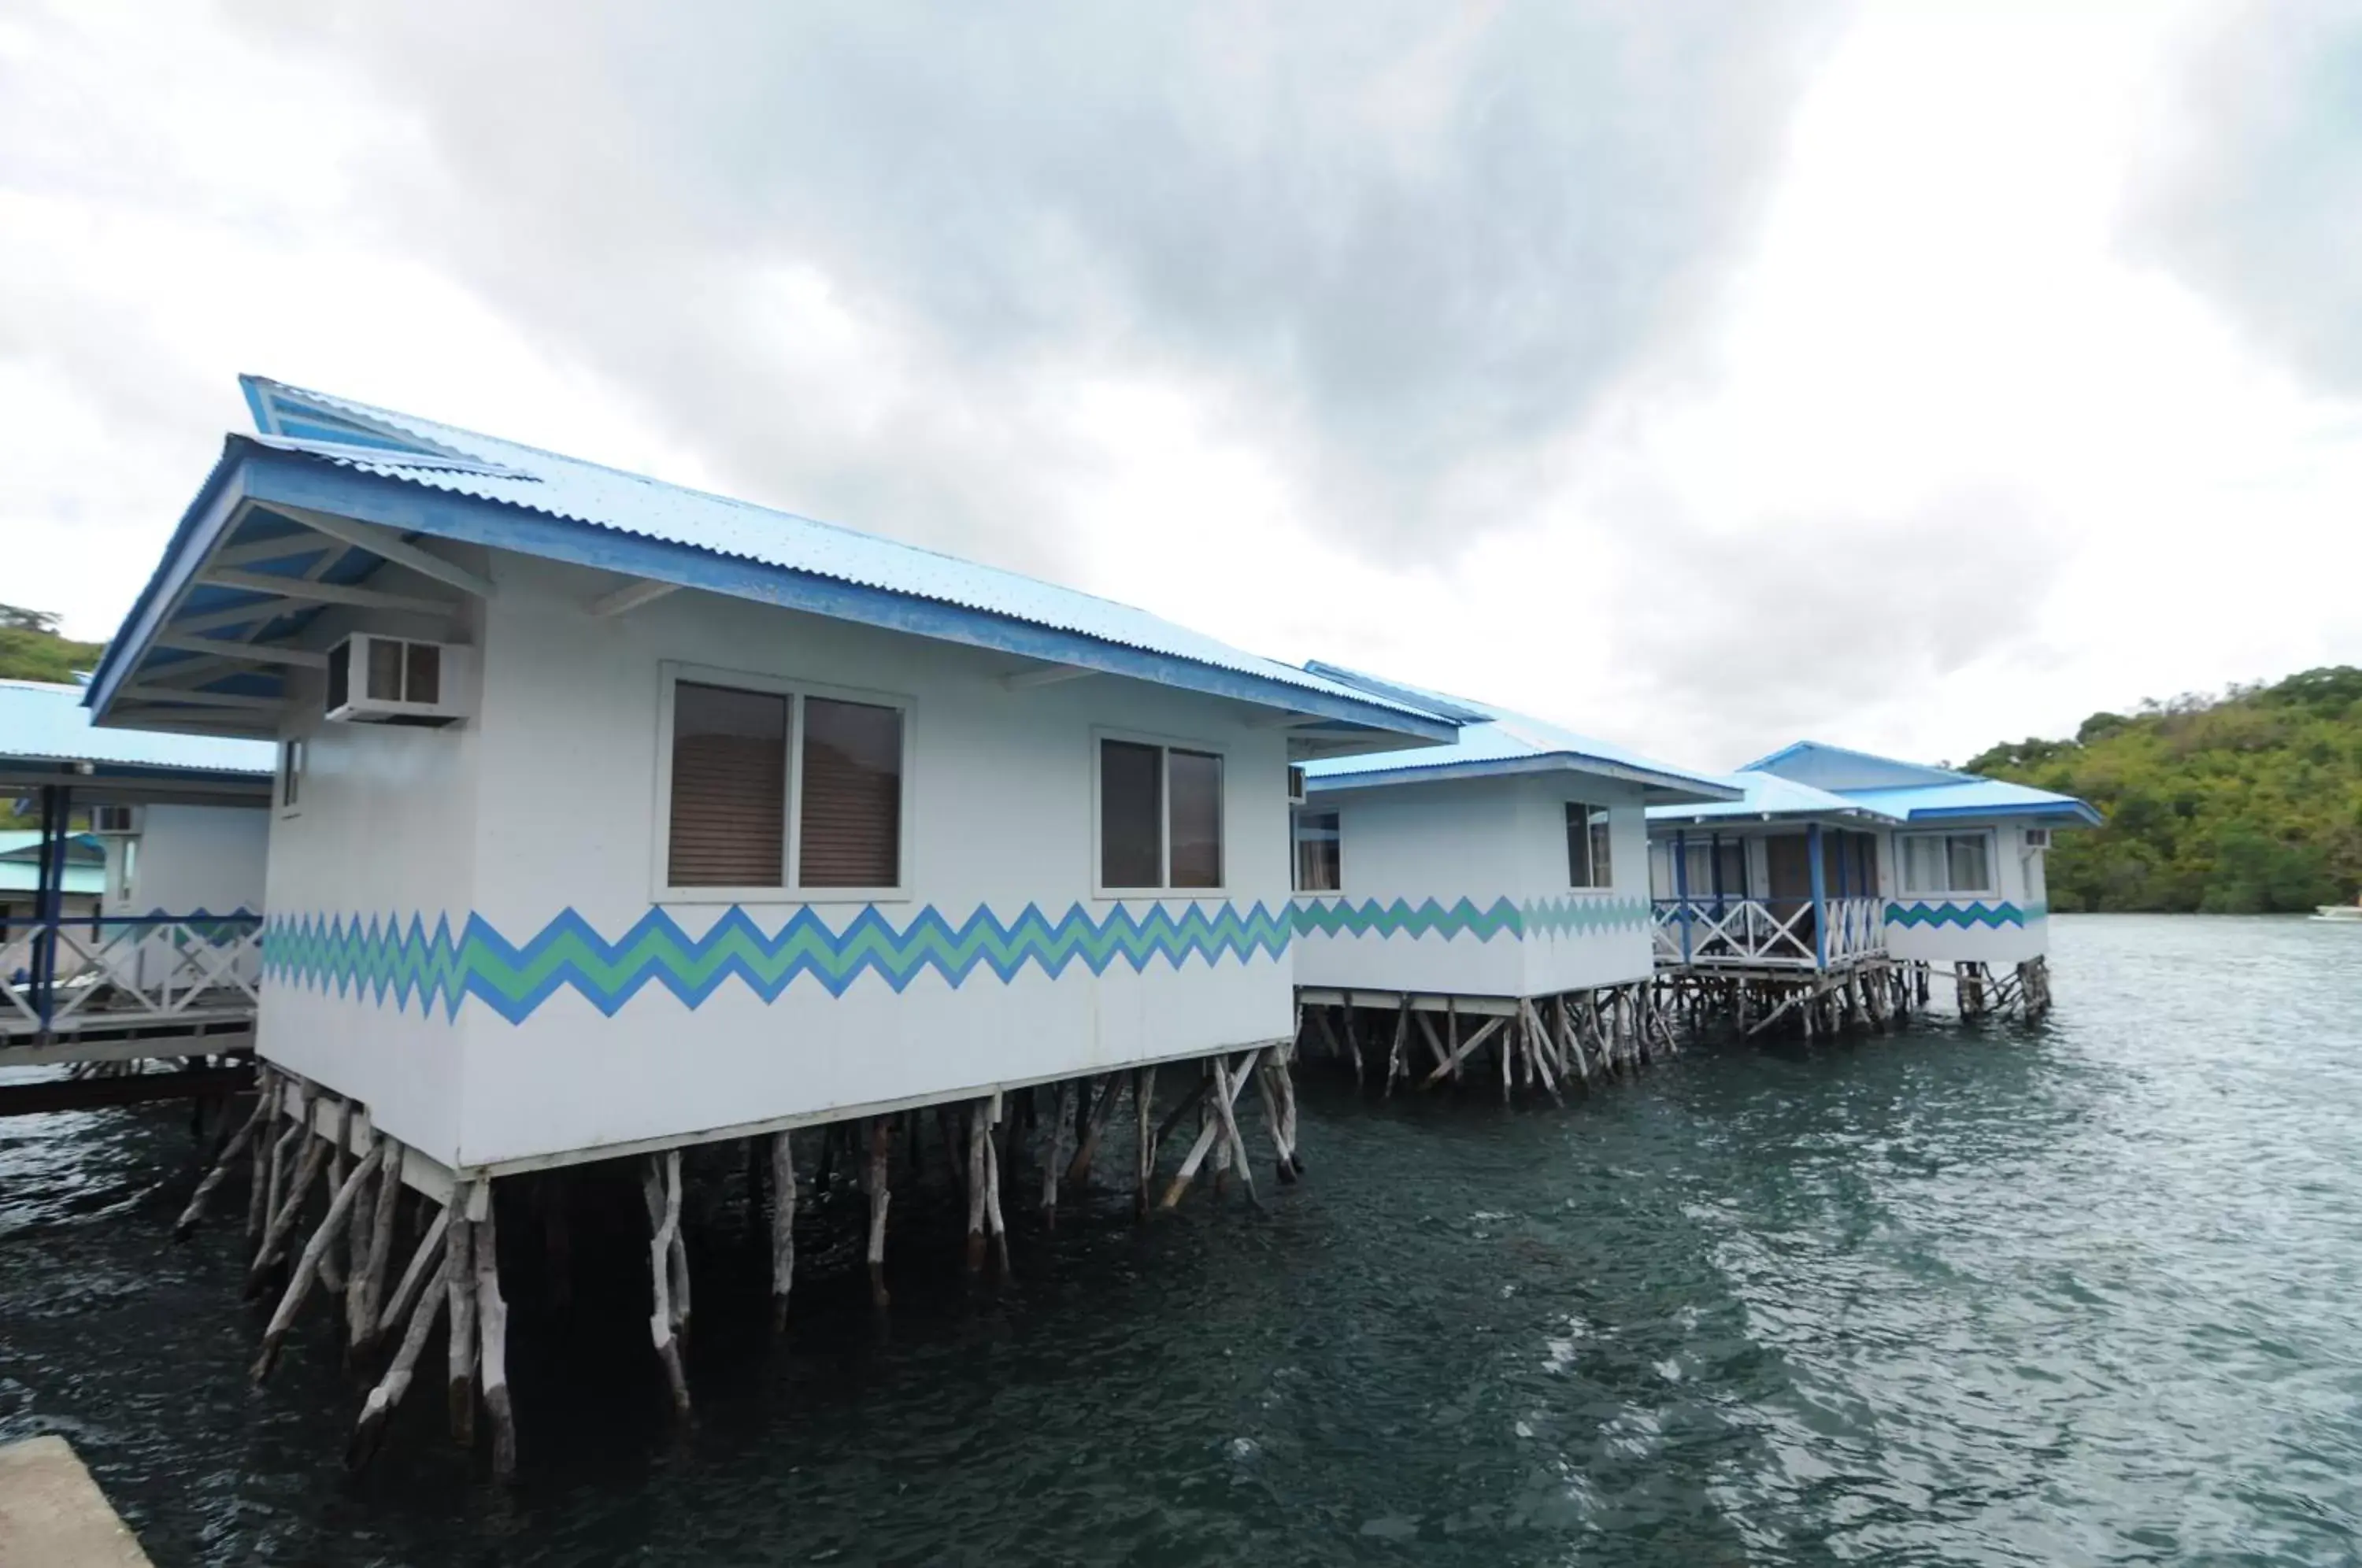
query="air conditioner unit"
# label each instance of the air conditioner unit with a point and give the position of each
(377, 680)
(1294, 786)
(114, 818)
(2038, 838)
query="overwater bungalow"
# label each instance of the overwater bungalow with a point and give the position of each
(131, 913)
(615, 818)
(1480, 907)
(1839, 881)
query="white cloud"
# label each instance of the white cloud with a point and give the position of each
(1500, 354)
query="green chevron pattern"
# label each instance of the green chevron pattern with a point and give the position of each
(1463, 917)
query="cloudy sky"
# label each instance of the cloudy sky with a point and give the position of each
(1912, 376)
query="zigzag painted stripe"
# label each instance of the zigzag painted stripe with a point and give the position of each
(1974, 913)
(1463, 917)
(382, 958)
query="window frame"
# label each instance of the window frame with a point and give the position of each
(1295, 816)
(672, 674)
(1590, 859)
(1165, 745)
(287, 786)
(1941, 836)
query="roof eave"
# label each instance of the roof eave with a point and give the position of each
(249, 470)
(1512, 766)
(2074, 813)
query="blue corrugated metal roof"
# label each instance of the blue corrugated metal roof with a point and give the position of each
(1494, 740)
(1975, 797)
(1805, 749)
(1769, 795)
(40, 721)
(360, 438)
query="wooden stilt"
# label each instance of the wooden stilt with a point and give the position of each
(423, 1259)
(1461, 1052)
(283, 1150)
(290, 1209)
(977, 1130)
(1435, 1049)
(1204, 1144)
(1395, 1067)
(992, 1218)
(1450, 1038)
(493, 1310)
(369, 1275)
(370, 1430)
(881, 1161)
(213, 1178)
(1284, 1158)
(1144, 1153)
(267, 1097)
(1353, 1044)
(783, 1224)
(1079, 1172)
(460, 1281)
(660, 1185)
(299, 1284)
(332, 1277)
(1225, 1093)
(1053, 1151)
(1284, 1071)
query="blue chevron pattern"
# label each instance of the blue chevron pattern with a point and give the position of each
(380, 957)
(1555, 917)
(1993, 916)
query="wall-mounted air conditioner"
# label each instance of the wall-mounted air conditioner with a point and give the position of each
(2038, 838)
(377, 680)
(1294, 786)
(114, 820)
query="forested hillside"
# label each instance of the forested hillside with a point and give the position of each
(31, 648)
(2245, 802)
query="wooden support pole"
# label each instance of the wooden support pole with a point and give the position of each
(290, 1209)
(1053, 1151)
(1463, 1050)
(1395, 1067)
(1434, 1045)
(1143, 1154)
(382, 1399)
(245, 1134)
(1451, 1037)
(783, 1224)
(298, 1111)
(368, 1276)
(978, 1131)
(1284, 1157)
(460, 1281)
(426, 1256)
(267, 1093)
(1283, 1069)
(1204, 1144)
(660, 1185)
(881, 1161)
(307, 1266)
(992, 1218)
(332, 1278)
(1079, 1173)
(494, 1310)
(1225, 1093)
(1353, 1042)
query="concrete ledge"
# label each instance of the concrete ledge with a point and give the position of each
(52, 1513)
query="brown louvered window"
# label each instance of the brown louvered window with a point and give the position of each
(1131, 806)
(1195, 844)
(729, 787)
(851, 824)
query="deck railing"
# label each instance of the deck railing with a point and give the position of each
(77, 973)
(1714, 930)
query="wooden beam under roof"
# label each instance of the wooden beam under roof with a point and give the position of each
(326, 592)
(250, 653)
(390, 545)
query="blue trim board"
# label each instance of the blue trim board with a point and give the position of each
(376, 958)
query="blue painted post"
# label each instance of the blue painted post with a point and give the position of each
(49, 878)
(1820, 898)
(1713, 851)
(1682, 886)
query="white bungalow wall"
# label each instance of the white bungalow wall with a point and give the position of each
(1001, 815)
(1489, 842)
(192, 859)
(2007, 925)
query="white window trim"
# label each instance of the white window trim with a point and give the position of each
(1902, 864)
(670, 674)
(1296, 814)
(1100, 891)
(1593, 889)
(295, 766)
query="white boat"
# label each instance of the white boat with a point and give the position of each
(2343, 913)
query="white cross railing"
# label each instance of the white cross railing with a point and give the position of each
(1713, 929)
(115, 970)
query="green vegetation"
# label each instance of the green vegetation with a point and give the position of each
(2243, 804)
(31, 648)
